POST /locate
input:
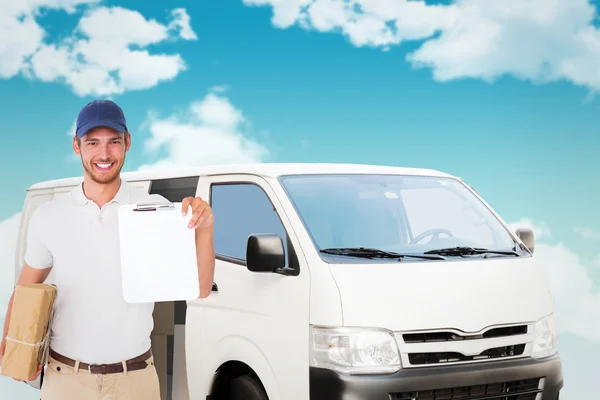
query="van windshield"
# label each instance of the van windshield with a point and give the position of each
(396, 213)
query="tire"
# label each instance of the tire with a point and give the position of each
(246, 388)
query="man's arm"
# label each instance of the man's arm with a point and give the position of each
(202, 220)
(205, 253)
(28, 275)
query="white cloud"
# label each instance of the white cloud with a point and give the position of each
(577, 302)
(21, 34)
(209, 131)
(538, 40)
(588, 233)
(181, 20)
(20, 38)
(286, 12)
(93, 60)
(127, 27)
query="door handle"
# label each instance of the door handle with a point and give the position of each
(215, 288)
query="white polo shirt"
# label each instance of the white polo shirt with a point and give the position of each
(92, 323)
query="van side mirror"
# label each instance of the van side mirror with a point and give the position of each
(527, 237)
(265, 253)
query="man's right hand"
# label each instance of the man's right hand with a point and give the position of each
(37, 373)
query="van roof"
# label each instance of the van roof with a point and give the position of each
(260, 169)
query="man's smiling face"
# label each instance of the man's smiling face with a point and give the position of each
(102, 152)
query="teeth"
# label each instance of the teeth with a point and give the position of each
(104, 165)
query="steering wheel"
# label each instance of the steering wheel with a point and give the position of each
(432, 232)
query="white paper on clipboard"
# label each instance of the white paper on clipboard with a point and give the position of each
(158, 253)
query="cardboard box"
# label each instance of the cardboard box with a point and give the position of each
(28, 333)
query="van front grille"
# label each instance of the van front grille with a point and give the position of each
(514, 390)
(445, 336)
(452, 357)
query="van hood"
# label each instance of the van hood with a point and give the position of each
(468, 295)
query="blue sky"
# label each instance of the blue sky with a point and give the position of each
(502, 93)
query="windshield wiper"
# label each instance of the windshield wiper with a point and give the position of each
(464, 250)
(373, 253)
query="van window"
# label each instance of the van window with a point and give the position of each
(458, 216)
(175, 189)
(240, 210)
(404, 214)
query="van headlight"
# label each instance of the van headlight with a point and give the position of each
(354, 350)
(545, 341)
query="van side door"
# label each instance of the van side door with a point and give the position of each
(255, 320)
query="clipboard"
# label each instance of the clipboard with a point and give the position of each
(158, 253)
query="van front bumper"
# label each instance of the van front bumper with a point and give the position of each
(468, 382)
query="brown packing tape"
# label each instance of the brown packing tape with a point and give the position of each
(27, 339)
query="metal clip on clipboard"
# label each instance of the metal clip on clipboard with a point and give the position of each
(154, 205)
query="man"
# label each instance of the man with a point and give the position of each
(100, 345)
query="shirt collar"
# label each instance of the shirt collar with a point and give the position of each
(122, 196)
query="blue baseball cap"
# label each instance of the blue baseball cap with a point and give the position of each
(104, 113)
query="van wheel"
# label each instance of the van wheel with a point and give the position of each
(246, 388)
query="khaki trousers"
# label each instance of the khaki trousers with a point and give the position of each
(62, 382)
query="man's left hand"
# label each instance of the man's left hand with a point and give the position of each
(202, 216)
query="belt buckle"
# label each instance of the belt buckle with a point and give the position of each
(103, 368)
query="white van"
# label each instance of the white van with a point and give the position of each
(350, 282)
